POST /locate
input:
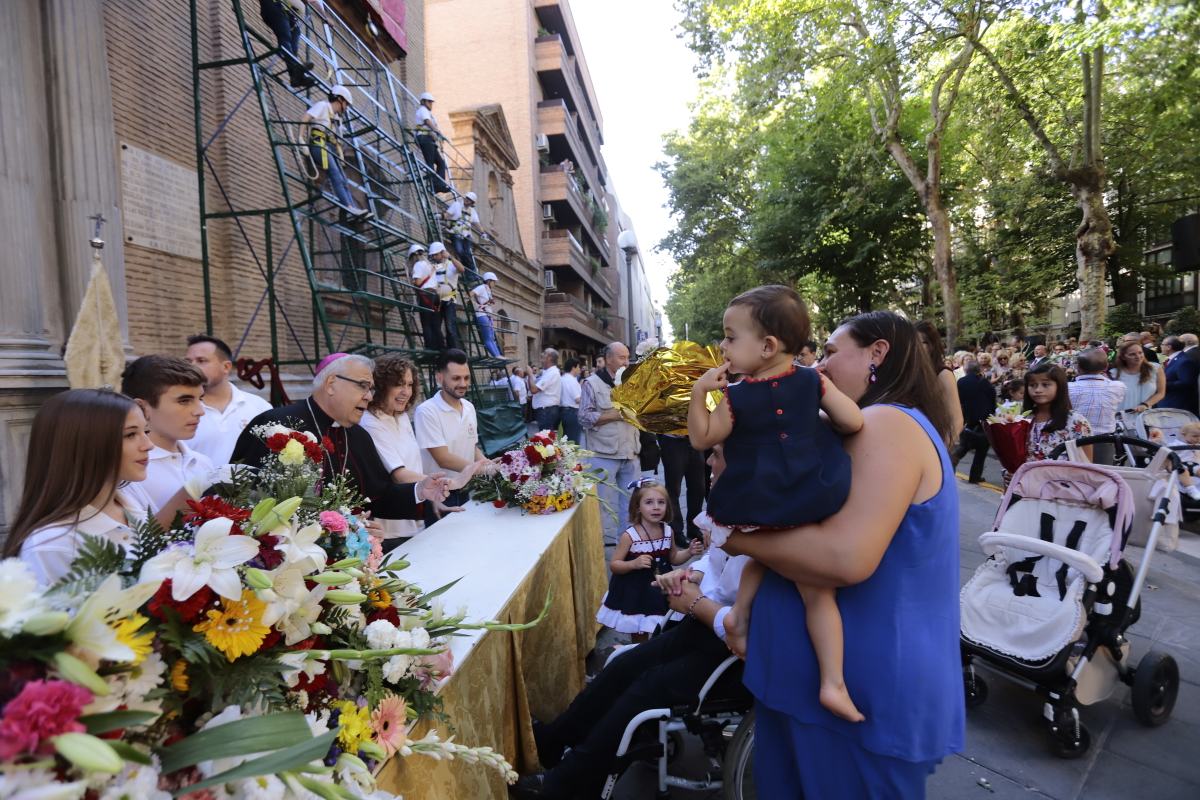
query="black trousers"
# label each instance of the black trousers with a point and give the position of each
(433, 157)
(664, 671)
(431, 329)
(974, 440)
(682, 463)
(286, 27)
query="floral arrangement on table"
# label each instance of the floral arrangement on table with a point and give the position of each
(258, 649)
(1008, 431)
(544, 474)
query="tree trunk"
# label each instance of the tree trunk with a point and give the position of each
(943, 265)
(1093, 246)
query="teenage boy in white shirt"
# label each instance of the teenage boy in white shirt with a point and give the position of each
(227, 409)
(446, 426)
(571, 394)
(168, 389)
(547, 392)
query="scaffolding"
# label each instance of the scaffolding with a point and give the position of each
(362, 300)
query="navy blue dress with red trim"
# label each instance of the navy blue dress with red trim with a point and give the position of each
(784, 466)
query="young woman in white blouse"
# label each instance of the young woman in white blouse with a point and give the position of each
(88, 451)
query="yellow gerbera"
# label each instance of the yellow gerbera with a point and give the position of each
(379, 597)
(236, 628)
(355, 725)
(127, 634)
(179, 676)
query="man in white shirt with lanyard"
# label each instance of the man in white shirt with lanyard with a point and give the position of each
(462, 219)
(485, 306)
(428, 134)
(446, 426)
(446, 273)
(168, 389)
(227, 409)
(547, 392)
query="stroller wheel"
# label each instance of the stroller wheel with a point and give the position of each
(1071, 737)
(975, 688)
(1155, 687)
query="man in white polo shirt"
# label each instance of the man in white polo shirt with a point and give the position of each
(446, 427)
(227, 409)
(168, 389)
(547, 392)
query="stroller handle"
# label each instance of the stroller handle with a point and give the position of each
(1120, 439)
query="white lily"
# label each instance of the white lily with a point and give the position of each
(20, 599)
(211, 560)
(89, 631)
(300, 548)
(297, 664)
(291, 606)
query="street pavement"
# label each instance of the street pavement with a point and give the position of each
(1007, 751)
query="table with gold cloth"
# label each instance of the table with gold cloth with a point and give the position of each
(507, 561)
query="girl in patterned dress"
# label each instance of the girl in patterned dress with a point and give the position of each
(633, 603)
(784, 466)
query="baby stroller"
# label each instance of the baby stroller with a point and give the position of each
(1167, 420)
(1050, 607)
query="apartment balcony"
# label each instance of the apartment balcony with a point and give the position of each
(556, 119)
(559, 187)
(566, 312)
(561, 250)
(561, 79)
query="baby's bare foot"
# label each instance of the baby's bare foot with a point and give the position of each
(836, 700)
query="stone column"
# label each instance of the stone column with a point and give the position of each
(86, 176)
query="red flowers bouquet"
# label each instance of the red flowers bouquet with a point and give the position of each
(1008, 432)
(543, 475)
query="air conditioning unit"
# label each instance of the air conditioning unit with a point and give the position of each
(549, 279)
(543, 143)
(547, 211)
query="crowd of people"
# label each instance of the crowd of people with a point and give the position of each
(1072, 389)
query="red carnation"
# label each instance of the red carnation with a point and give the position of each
(277, 441)
(327, 443)
(189, 610)
(314, 452)
(506, 459)
(270, 640)
(532, 454)
(267, 554)
(553, 435)
(207, 508)
(390, 614)
(498, 503)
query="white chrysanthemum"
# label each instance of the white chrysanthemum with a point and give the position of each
(20, 599)
(128, 689)
(380, 635)
(396, 668)
(135, 782)
(38, 784)
(264, 787)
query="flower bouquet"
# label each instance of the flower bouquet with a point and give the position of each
(543, 475)
(258, 649)
(1008, 432)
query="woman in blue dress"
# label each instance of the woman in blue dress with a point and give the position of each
(892, 554)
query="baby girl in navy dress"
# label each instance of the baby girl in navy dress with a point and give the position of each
(785, 467)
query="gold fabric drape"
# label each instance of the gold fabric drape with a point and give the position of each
(510, 677)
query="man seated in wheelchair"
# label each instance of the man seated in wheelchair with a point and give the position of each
(1185, 447)
(578, 748)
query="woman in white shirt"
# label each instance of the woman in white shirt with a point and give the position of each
(388, 421)
(88, 449)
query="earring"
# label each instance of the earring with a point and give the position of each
(874, 377)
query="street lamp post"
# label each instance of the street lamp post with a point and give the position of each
(627, 241)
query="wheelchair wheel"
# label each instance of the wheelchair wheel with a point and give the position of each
(737, 782)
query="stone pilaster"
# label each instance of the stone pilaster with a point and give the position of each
(83, 149)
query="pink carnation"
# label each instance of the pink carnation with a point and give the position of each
(43, 710)
(334, 522)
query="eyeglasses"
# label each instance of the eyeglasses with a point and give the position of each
(640, 483)
(366, 386)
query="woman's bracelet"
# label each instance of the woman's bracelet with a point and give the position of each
(692, 608)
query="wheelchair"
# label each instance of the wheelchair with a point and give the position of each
(723, 719)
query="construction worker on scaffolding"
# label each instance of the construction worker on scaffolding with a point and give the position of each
(323, 120)
(425, 283)
(285, 19)
(461, 220)
(485, 306)
(428, 135)
(447, 271)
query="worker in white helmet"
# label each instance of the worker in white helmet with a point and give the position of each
(424, 281)
(485, 308)
(447, 272)
(428, 135)
(286, 19)
(323, 122)
(461, 220)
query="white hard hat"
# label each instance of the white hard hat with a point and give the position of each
(341, 91)
(414, 249)
(425, 96)
(490, 276)
(436, 247)
(471, 196)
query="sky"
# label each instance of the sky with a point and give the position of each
(643, 77)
